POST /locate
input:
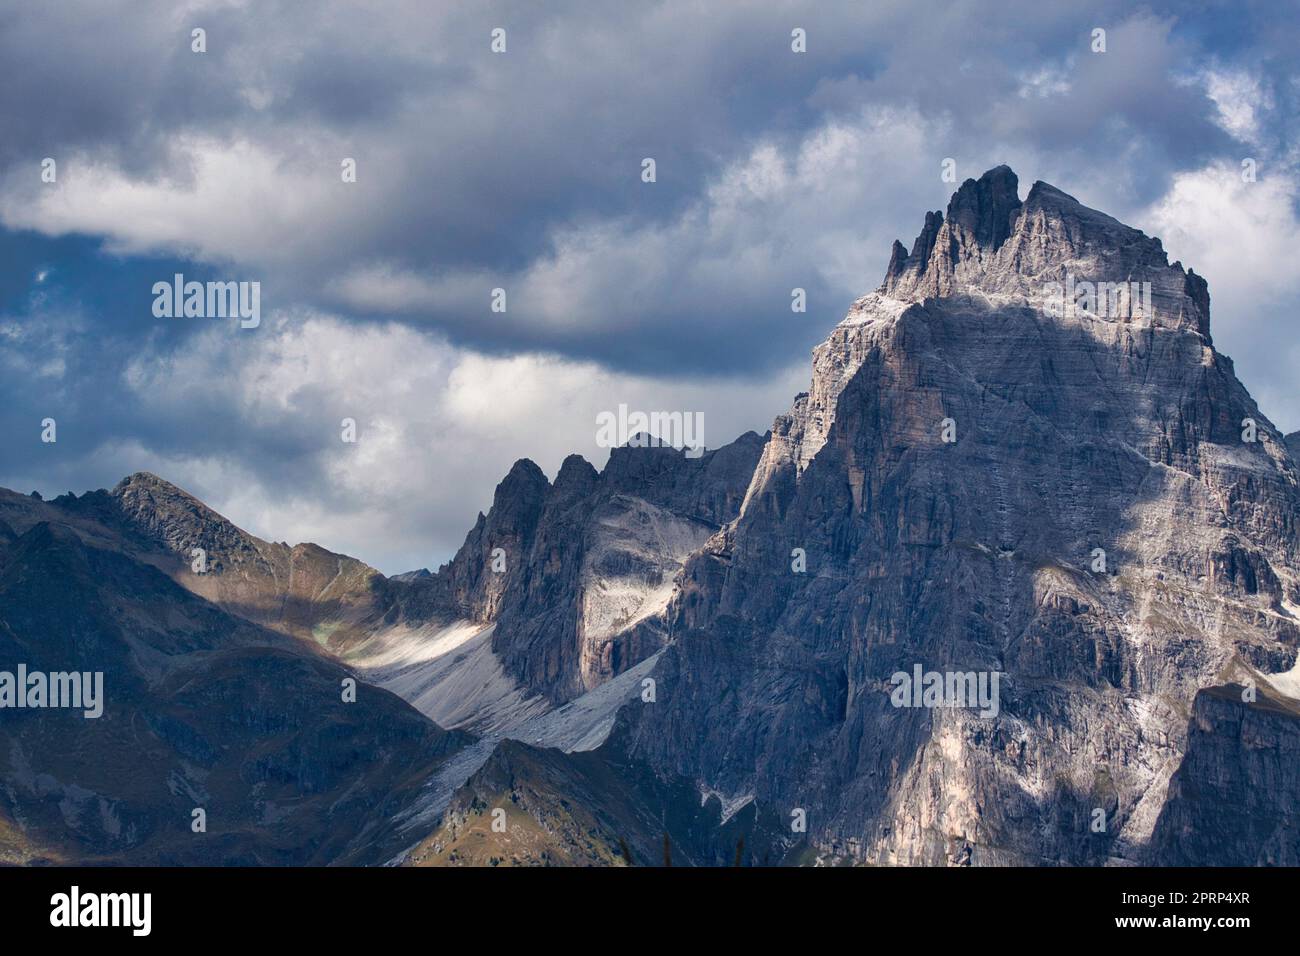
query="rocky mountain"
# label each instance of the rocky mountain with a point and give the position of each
(1234, 798)
(1022, 479)
(589, 564)
(1069, 499)
(1012, 462)
(586, 809)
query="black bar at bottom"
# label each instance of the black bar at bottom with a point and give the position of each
(336, 906)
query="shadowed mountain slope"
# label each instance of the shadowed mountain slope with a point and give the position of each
(200, 711)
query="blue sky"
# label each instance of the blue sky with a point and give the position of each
(522, 170)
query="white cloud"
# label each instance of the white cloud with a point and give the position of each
(1242, 235)
(1045, 82)
(1239, 97)
(1244, 238)
(219, 202)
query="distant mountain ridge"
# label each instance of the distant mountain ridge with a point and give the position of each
(588, 561)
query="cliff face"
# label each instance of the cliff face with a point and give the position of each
(1235, 799)
(575, 575)
(979, 481)
(991, 243)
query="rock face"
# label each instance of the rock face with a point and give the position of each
(235, 669)
(993, 245)
(1236, 796)
(575, 575)
(982, 482)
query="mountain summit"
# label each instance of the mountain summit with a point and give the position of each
(991, 243)
(1088, 506)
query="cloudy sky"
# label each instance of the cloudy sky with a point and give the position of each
(522, 170)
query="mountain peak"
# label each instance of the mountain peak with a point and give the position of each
(1042, 191)
(983, 208)
(147, 479)
(175, 519)
(145, 491)
(978, 221)
(576, 476)
(525, 471)
(993, 245)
